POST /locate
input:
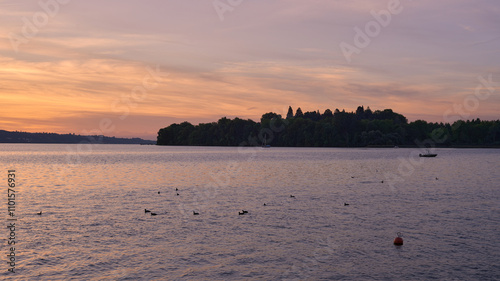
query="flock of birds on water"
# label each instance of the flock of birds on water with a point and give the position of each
(197, 213)
(239, 213)
(194, 212)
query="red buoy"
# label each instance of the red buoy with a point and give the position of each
(398, 241)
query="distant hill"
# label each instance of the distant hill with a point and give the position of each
(24, 137)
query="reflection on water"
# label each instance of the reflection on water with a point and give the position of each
(94, 225)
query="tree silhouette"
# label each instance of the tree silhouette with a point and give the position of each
(290, 113)
(360, 128)
(24, 137)
(327, 114)
(360, 112)
(298, 113)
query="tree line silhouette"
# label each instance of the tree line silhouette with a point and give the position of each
(331, 129)
(25, 137)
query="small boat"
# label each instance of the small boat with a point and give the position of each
(428, 154)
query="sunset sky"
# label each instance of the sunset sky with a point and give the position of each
(65, 66)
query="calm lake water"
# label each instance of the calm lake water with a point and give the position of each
(93, 225)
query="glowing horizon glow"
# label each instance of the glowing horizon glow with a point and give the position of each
(84, 63)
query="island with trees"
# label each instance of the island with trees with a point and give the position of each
(362, 128)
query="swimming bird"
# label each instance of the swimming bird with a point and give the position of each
(158, 192)
(291, 196)
(241, 213)
(153, 214)
(381, 181)
(177, 194)
(436, 178)
(176, 189)
(39, 213)
(244, 212)
(346, 204)
(265, 204)
(147, 211)
(195, 213)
